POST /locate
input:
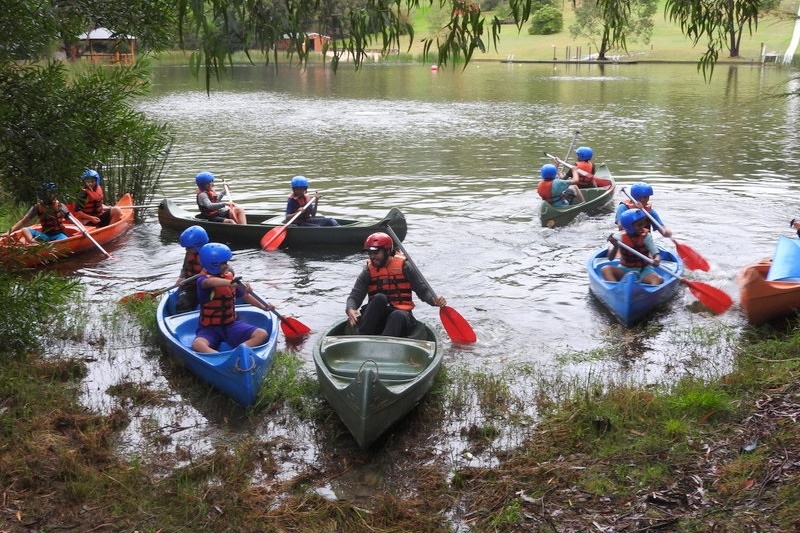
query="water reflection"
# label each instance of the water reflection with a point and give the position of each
(458, 152)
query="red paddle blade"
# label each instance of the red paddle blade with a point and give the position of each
(292, 327)
(137, 296)
(456, 326)
(711, 297)
(273, 239)
(692, 259)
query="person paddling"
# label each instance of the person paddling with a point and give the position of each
(641, 193)
(217, 292)
(192, 238)
(51, 214)
(299, 199)
(211, 205)
(635, 235)
(89, 207)
(556, 191)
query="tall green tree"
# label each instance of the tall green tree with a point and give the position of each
(721, 22)
(609, 24)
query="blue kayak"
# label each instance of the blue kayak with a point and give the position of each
(628, 300)
(237, 371)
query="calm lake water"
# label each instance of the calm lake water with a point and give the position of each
(459, 153)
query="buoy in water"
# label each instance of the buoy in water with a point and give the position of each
(434, 68)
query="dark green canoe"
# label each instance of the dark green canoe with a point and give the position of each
(597, 199)
(372, 381)
(351, 233)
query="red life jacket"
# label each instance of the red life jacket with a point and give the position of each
(212, 197)
(93, 202)
(636, 242)
(391, 281)
(302, 200)
(50, 217)
(545, 190)
(220, 308)
(583, 179)
(191, 263)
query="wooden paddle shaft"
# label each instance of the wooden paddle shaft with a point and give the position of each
(86, 233)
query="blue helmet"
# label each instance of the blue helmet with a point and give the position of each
(299, 181)
(48, 191)
(193, 237)
(630, 217)
(91, 174)
(213, 255)
(549, 172)
(203, 179)
(640, 190)
(584, 153)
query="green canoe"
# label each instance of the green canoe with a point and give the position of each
(597, 199)
(372, 381)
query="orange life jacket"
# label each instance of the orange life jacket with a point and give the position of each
(585, 180)
(545, 190)
(391, 281)
(191, 263)
(220, 308)
(636, 242)
(632, 205)
(93, 203)
(302, 200)
(50, 217)
(213, 197)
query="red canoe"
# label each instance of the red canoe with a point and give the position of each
(76, 242)
(765, 300)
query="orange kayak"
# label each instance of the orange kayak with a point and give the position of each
(765, 300)
(15, 254)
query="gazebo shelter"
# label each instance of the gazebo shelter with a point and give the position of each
(104, 46)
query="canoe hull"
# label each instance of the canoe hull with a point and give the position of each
(373, 381)
(351, 233)
(75, 243)
(237, 371)
(597, 200)
(764, 300)
(628, 300)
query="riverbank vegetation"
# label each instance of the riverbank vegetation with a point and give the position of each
(702, 455)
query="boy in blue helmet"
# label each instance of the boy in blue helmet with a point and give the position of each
(299, 199)
(641, 193)
(211, 205)
(51, 214)
(556, 191)
(89, 207)
(634, 235)
(193, 238)
(217, 290)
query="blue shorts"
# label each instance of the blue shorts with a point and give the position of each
(234, 333)
(641, 272)
(45, 237)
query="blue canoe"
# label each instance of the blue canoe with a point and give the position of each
(237, 371)
(628, 300)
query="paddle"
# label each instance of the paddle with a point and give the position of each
(598, 182)
(275, 237)
(151, 206)
(86, 233)
(571, 144)
(711, 297)
(454, 324)
(291, 327)
(230, 202)
(141, 295)
(693, 260)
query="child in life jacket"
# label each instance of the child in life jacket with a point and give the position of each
(556, 191)
(51, 214)
(193, 238)
(89, 208)
(636, 236)
(217, 291)
(299, 199)
(641, 193)
(211, 205)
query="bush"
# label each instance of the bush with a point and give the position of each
(546, 21)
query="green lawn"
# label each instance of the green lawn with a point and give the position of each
(667, 42)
